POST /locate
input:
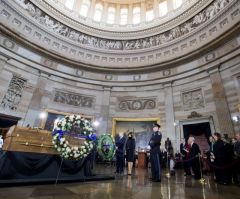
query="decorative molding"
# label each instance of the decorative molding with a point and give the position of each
(8, 44)
(192, 99)
(13, 96)
(194, 114)
(102, 60)
(137, 104)
(100, 43)
(115, 31)
(74, 99)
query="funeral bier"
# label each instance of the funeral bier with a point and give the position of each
(34, 140)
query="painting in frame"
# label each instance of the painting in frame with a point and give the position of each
(51, 115)
(141, 127)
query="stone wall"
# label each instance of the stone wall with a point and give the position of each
(171, 102)
(35, 78)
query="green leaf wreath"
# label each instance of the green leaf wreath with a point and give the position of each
(106, 147)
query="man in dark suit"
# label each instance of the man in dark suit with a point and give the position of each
(194, 156)
(154, 144)
(120, 144)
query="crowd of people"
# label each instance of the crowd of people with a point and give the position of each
(222, 159)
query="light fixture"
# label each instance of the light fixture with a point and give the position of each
(96, 123)
(43, 115)
(235, 118)
(175, 123)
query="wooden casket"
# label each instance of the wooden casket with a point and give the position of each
(24, 139)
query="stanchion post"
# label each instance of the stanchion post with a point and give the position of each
(59, 171)
(168, 167)
(202, 180)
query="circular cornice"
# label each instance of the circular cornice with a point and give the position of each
(142, 30)
(203, 38)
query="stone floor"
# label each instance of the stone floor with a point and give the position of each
(137, 186)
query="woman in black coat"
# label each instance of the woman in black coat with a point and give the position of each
(220, 159)
(130, 152)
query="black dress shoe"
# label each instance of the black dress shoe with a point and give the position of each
(156, 180)
(222, 183)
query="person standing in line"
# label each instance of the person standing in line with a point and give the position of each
(210, 152)
(120, 144)
(168, 147)
(130, 152)
(154, 144)
(237, 145)
(184, 150)
(219, 159)
(194, 156)
(236, 150)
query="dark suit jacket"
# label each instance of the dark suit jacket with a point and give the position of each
(194, 150)
(182, 151)
(219, 152)
(155, 142)
(120, 145)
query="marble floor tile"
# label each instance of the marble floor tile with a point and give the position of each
(137, 186)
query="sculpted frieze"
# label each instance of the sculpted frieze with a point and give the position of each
(137, 104)
(13, 96)
(74, 99)
(192, 99)
(96, 42)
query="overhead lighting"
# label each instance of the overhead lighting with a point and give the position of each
(235, 118)
(43, 115)
(96, 123)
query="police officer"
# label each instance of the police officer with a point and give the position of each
(154, 144)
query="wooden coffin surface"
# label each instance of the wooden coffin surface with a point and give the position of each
(29, 140)
(34, 140)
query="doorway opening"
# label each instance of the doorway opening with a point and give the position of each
(200, 131)
(6, 121)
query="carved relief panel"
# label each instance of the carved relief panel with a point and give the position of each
(13, 96)
(192, 99)
(136, 103)
(74, 99)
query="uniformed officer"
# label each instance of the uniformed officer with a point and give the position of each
(154, 144)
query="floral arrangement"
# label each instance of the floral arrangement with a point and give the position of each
(106, 147)
(78, 127)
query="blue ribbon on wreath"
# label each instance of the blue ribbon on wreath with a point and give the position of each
(58, 131)
(92, 137)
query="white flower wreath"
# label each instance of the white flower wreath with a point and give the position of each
(68, 125)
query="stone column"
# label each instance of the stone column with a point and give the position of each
(222, 109)
(105, 123)
(130, 14)
(105, 12)
(36, 104)
(169, 113)
(143, 12)
(156, 8)
(77, 5)
(3, 62)
(91, 9)
(118, 10)
(170, 5)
